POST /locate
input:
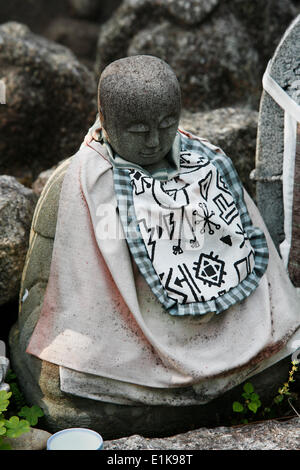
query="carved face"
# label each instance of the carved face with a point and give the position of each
(144, 139)
(142, 118)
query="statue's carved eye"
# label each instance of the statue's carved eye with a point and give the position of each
(138, 128)
(168, 122)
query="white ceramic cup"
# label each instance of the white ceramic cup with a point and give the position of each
(75, 439)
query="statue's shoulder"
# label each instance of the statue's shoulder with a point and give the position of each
(92, 157)
(45, 215)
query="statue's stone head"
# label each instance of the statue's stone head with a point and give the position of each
(139, 106)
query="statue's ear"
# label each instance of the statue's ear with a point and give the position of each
(101, 117)
(102, 123)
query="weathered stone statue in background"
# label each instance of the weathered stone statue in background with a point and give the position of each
(4, 365)
(151, 287)
(278, 149)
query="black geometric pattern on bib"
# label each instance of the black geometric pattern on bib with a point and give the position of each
(228, 210)
(210, 269)
(192, 230)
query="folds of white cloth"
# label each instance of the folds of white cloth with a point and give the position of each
(113, 340)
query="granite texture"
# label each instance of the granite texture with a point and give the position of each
(17, 204)
(140, 104)
(270, 136)
(51, 100)
(82, 44)
(267, 435)
(217, 49)
(93, 9)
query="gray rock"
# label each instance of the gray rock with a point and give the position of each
(50, 102)
(270, 144)
(84, 8)
(265, 21)
(211, 46)
(35, 439)
(189, 13)
(92, 9)
(82, 44)
(232, 129)
(36, 15)
(39, 184)
(206, 83)
(268, 435)
(17, 205)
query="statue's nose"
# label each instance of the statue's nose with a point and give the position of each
(152, 138)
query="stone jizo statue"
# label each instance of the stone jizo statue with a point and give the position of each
(152, 284)
(4, 365)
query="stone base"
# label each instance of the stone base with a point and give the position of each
(39, 382)
(268, 435)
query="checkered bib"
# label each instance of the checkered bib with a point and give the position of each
(187, 233)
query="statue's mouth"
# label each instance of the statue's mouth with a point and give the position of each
(150, 154)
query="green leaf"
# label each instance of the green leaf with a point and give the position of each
(247, 396)
(254, 397)
(248, 387)
(16, 427)
(253, 406)
(2, 427)
(4, 400)
(10, 375)
(278, 399)
(237, 407)
(32, 414)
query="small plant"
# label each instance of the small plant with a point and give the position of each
(251, 402)
(17, 398)
(12, 427)
(12, 408)
(32, 414)
(285, 390)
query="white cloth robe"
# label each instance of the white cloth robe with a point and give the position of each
(112, 339)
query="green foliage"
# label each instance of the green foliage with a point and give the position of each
(15, 426)
(237, 407)
(2, 427)
(278, 399)
(251, 403)
(248, 387)
(17, 400)
(12, 426)
(4, 400)
(32, 414)
(10, 376)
